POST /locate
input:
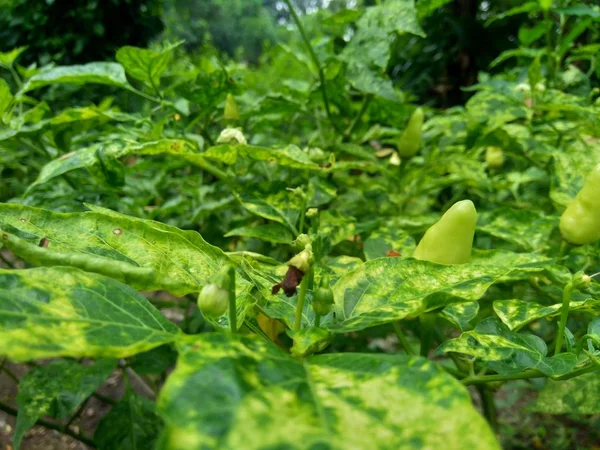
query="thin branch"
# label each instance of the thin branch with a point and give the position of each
(316, 62)
(402, 339)
(363, 108)
(481, 379)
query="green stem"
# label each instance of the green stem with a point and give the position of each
(302, 213)
(549, 49)
(232, 303)
(363, 108)
(427, 322)
(315, 60)
(566, 300)
(481, 379)
(300, 304)
(402, 339)
(317, 320)
(15, 76)
(144, 95)
(489, 406)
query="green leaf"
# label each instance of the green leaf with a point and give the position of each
(368, 53)
(88, 157)
(272, 232)
(144, 65)
(508, 352)
(111, 74)
(282, 207)
(254, 396)
(146, 254)
(50, 312)
(6, 97)
(387, 289)
(56, 389)
(132, 424)
(426, 7)
(7, 59)
(530, 230)
(460, 314)
(571, 166)
(577, 395)
(290, 156)
(389, 238)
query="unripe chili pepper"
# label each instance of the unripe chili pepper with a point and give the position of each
(323, 298)
(213, 299)
(494, 157)
(449, 241)
(231, 108)
(580, 223)
(410, 140)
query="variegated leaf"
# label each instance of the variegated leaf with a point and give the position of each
(61, 311)
(231, 392)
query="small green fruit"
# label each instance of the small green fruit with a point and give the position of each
(213, 301)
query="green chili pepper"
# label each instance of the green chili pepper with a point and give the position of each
(494, 157)
(580, 223)
(410, 140)
(449, 241)
(231, 108)
(323, 298)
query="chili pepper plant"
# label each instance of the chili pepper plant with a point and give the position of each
(295, 215)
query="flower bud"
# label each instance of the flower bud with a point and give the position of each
(231, 136)
(581, 280)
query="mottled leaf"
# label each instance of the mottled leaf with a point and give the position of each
(108, 73)
(527, 229)
(516, 313)
(132, 424)
(287, 157)
(508, 352)
(460, 314)
(56, 389)
(388, 289)
(389, 241)
(571, 167)
(282, 207)
(61, 311)
(146, 254)
(577, 395)
(88, 157)
(272, 232)
(254, 396)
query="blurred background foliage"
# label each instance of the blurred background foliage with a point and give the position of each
(463, 36)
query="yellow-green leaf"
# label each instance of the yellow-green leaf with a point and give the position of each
(50, 312)
(231, 392)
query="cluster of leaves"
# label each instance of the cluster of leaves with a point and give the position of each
(137, 193)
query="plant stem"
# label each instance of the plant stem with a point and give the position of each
(362, 110)
(15, 76)
(402, 339)
(566, 300)
(317, 320)
(301, 298)
(232, 302)
(481, 379)
(489, 406)
(51, 426)
(315, 60)
(427, 322)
